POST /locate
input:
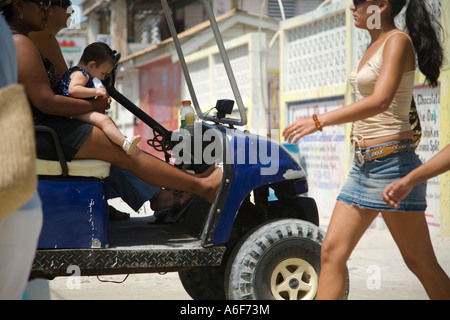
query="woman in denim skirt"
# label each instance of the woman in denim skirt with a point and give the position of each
(384, 144)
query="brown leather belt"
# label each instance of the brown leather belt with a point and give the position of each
(368, 154)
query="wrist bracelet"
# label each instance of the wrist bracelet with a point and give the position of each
(317, 122)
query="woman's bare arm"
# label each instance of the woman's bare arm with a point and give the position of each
(33, 76)
(394, 65)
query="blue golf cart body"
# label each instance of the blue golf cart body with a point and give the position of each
(236, 248)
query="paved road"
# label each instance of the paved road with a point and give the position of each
(377, 272)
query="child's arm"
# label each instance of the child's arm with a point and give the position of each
(77, 87)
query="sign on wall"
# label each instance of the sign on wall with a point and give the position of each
(428, 107)
(322, 154)
(72, 48)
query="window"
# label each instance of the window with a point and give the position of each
(289, 9)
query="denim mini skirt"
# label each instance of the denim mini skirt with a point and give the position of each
(365, 183)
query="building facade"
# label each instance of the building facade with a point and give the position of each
(318, 51)
(289, 63)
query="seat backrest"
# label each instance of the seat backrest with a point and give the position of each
(75, 168)
(52, 162)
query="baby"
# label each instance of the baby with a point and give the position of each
(84, 81)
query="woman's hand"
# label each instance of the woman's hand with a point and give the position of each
(396, 192)
(298, 129)
(101, 104)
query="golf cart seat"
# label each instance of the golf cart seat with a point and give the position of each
(75, 168)
(73, 196)
(48, 165)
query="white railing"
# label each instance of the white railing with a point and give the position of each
(315, 53)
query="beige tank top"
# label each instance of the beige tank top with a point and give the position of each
(396, 118)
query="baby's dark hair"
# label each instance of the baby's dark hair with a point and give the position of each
(98, 52)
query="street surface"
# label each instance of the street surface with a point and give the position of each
(377, 272)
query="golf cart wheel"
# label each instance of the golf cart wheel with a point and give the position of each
(204, 283)
(294, 279)
(279, 260)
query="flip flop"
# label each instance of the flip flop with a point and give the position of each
(177, 197)
(172, 215)
(116, 215)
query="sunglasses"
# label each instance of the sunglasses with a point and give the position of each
(357, 3)
(62, 3)
(44, 5)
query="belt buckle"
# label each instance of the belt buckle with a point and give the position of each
(359, 157)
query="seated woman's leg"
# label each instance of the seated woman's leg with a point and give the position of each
(123, 184)
(148, 168)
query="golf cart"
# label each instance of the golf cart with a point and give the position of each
(246, 245)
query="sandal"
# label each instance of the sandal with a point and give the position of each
(177, 201)
(116, 215)
(130, 144)
(171, 214)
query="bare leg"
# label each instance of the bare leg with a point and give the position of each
(150, 169)
(347, 225)
(105, 123)
(410, 232)
(168, 199)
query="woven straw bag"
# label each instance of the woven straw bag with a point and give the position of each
(18, 179)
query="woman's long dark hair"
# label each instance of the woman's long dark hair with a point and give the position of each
(422, 28)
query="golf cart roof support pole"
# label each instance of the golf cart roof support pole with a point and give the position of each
(225, 60)
(176, 41)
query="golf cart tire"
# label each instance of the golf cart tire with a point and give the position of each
(204, 283)
(278, 260)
